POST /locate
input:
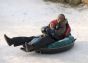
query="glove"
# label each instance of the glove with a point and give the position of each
(43, 29)
(50, 32)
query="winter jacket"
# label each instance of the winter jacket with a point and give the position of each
(59, 28)
(59, 31)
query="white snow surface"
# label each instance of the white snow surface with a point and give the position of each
(26, 17)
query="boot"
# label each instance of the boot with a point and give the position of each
(8, 40)
(29, 47)
(23, 49)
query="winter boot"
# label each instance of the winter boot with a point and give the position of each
(8, 40)
(23, 49)
(29, 47)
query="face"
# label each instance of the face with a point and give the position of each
(60, 18)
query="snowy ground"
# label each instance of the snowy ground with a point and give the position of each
(26, 17)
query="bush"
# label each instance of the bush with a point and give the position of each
(71, 2)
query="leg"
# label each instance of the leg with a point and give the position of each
(44, 42)
(21, 40)
(40, 43)
(16, 41)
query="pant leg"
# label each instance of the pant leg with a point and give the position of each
(43, 42)
(17, 41)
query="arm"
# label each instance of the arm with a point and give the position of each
(61, 30)
(51, 26)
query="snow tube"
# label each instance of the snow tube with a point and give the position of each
(58, 46)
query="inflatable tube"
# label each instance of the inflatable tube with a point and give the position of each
(59, 46)
(55, 50)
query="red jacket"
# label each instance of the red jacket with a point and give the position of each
(54, 23)
(67, 31)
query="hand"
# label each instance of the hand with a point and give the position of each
(50, 32)
(43, 29)
(51, 26)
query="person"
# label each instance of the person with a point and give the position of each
(56, 30)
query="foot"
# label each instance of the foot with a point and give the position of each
(28, 47)
(23, 49)
(8, 40)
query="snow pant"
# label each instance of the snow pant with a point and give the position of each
(40, 42)
(17, 41)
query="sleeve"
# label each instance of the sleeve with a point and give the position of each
(52, 24)
(43, 29)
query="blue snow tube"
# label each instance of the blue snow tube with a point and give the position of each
(58, 46)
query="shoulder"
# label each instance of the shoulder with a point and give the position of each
(54, 21)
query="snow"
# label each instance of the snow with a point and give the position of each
(26, 17)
